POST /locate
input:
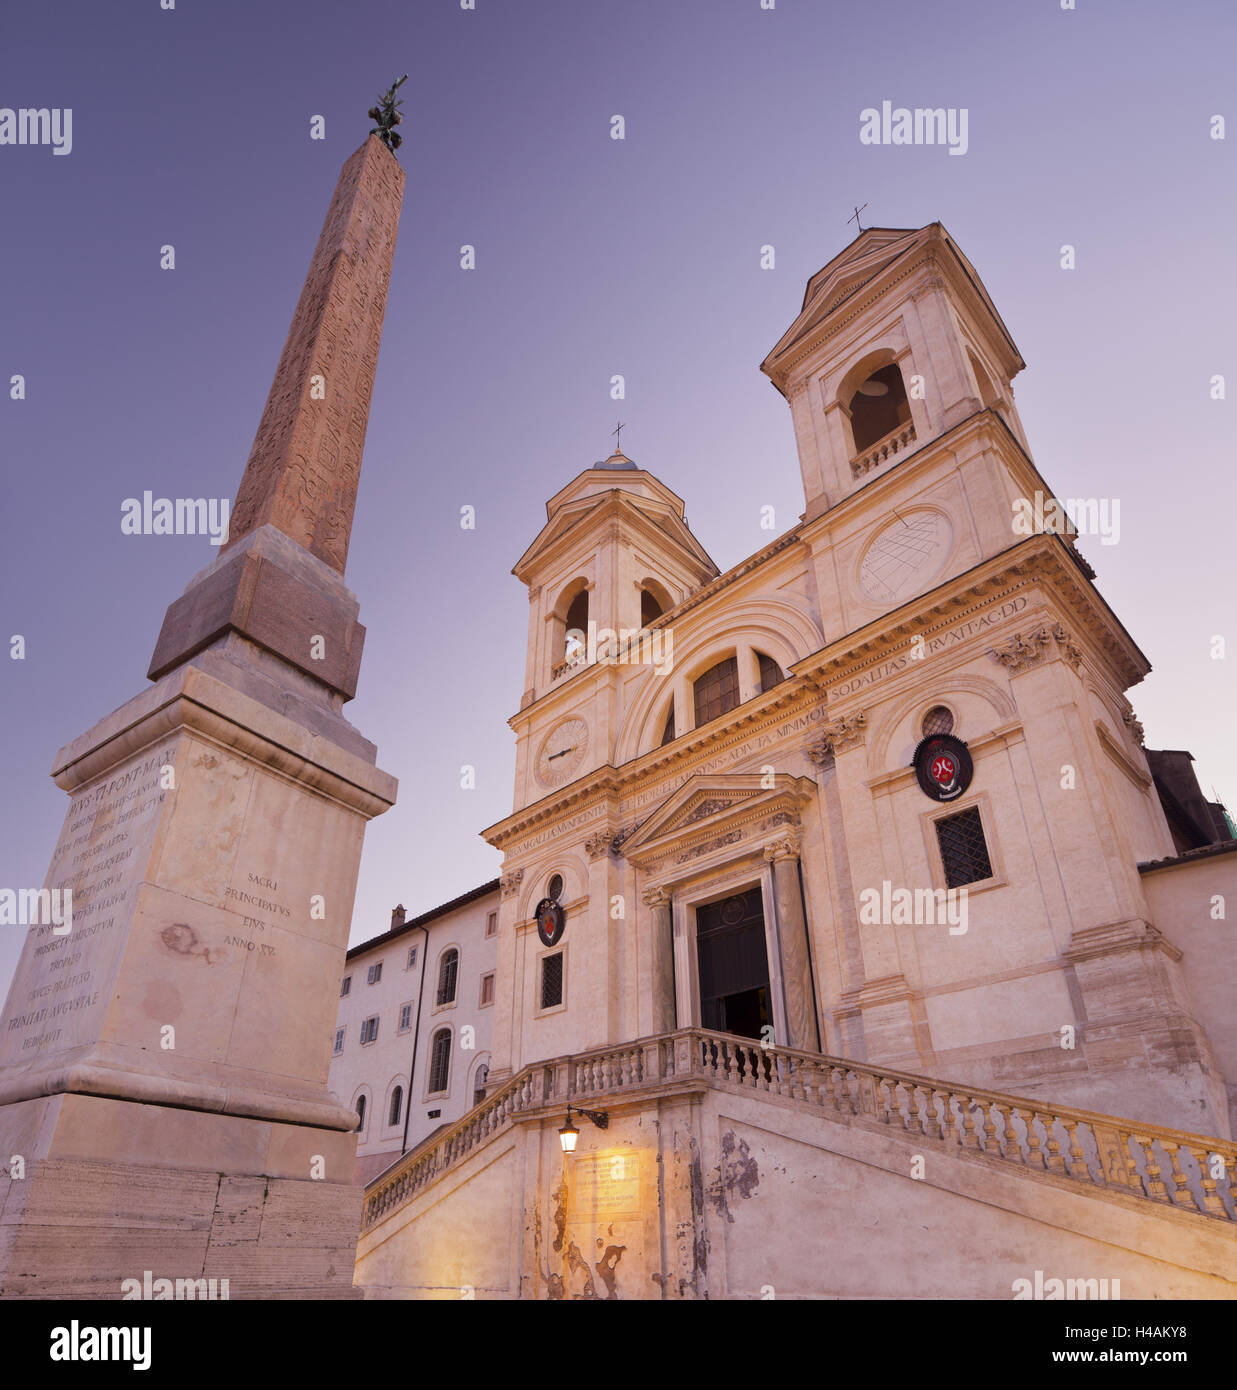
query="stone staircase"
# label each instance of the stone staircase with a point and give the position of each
(1164, 1168)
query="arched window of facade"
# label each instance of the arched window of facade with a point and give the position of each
(440, 1061)
(480, 1077)
(771, 673)
(397, 1105)
(448, 976)
(360, 1113)
(716, 692)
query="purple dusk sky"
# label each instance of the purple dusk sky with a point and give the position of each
(594, 257)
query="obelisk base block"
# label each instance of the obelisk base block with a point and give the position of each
(113, 1189)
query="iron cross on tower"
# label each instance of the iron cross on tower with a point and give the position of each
(617, 433)
(855, 219)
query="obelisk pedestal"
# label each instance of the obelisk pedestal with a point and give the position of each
(163, 1064)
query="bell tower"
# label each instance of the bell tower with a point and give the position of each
(614, 556)
(896, 343)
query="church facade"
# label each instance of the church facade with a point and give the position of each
(876, 793)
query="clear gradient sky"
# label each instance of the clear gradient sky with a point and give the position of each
(594, 257)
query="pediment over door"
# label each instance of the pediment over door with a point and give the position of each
(718, 816)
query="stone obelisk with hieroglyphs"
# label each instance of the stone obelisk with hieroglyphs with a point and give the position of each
(163, 1063)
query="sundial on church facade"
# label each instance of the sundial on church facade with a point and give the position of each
(905, 556)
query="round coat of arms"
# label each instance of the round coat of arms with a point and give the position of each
(551, 920)
(944, 767)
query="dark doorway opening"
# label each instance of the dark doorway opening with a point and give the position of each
(734, 965)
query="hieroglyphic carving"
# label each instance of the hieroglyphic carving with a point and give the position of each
(305, 465)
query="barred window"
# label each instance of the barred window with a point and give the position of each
(964, 851)
(448, 973)
(552, 980)
(771, 673)
(440, 1061)
(717, 691)
(938, 720)
(397, 1105)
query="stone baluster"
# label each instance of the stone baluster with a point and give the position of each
(949, 1121)
(1213, 1202)
(1012, 1150)
(1155, 1186)
(1181, 1195)
(1034, 1158)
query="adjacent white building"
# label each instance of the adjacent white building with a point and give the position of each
(411, 1050)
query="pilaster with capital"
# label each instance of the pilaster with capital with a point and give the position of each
(783, 857)
(661, 939)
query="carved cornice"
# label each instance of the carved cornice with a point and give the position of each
(1041, 559)
(655, 897)
(737, 809)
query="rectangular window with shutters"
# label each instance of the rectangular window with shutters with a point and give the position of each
(346, 986)
(487, 989)
(412, 957)
(339, 1041)
(552, 980)
(405, 1017)
(375, 973)
(491, 924)
(964, 850)
(369, 1030)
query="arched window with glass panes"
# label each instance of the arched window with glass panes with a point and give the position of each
(440, 1061)
(448, 976)
(397, 1105)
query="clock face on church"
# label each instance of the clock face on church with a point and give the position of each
(561, 753)
(905, 556)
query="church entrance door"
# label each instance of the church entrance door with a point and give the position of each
(733, 965)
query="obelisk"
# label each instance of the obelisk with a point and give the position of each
(163, 1064)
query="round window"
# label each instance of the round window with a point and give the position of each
(938, 720)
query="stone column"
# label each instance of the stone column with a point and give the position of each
(661, 935)
(793, 944)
